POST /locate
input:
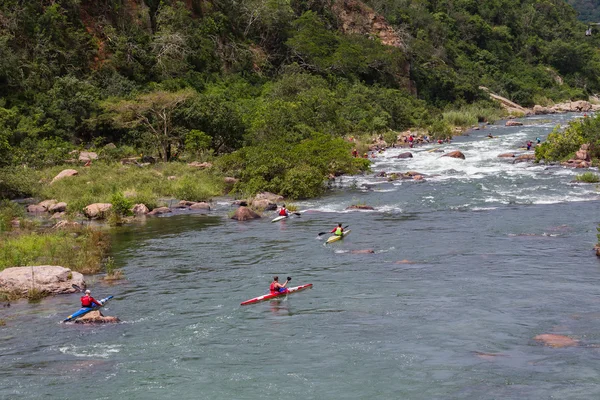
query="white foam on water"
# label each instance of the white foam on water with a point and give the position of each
(91, 351)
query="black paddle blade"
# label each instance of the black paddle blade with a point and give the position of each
(298, 214)
(321, 233)
(77, 287)
(289, 279)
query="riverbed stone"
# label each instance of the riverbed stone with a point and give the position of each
(35, 209)
(264, 204)
(140, 209)
(160, 211)
(557, 341)
(64, 174)
(200, 206)
(47, 203)
(50, 279)
(524, 158)
(363, 251)
(96, 317)
(513, 123)
(359, 207)
(97, 210)
(407, 154)
(244, 213)
(275, 198)
(58, 207)
(506, 155)
(455, 154)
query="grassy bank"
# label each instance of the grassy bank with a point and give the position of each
(99, 182)
(81, 249)
(473, 114)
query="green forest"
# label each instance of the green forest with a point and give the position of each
(588, 10)
(268, 91)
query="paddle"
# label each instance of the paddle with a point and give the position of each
(322, 233)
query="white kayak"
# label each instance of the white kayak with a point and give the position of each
(279, 218)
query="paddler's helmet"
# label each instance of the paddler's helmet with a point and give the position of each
(88, 291)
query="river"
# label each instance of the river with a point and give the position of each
(468, 267)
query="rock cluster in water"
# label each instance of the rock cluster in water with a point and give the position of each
(48, 279)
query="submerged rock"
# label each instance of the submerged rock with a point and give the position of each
(160, 210)
(553, 340)
(51, 279)
(364, 251)
(408, 154)
(513, 123)
(359, 207)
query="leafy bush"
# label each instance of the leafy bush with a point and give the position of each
(588, 177)
(121, 205)
(18, 182)
(8, 211)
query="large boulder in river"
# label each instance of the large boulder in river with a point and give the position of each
(407, 154)
(63, 174)
(455, 154)
(47, 203)
(275, 198)
(553, 340)
(160, 211)
(97, 210)
(202, 205)
(244, 213)
(96, 317)
(506, 155)
(264, 204)
(50, 279)
(140, 209)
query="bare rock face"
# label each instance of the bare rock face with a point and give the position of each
(97, 210)
(160, 210)
(50, 279)
(96, 317)
(244, 214)
(553, 340)
(513, 123)
(140, 209)
(455, 154)
(58, 207)
(63, 174)
(539, 110)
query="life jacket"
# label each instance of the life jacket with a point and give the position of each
(283, 212)
(272, 288)
(339, 231)
(86, 301)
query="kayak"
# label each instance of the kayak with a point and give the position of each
(335, 238)
(275, 295)
(85, 310)
(279, 218)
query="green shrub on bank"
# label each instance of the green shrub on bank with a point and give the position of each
(473, 114)
(96, 184)
(18, 182)
(560, 145)
(588, 177)
(8, 211)
(80, 249)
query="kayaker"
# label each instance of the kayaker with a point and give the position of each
(88, 300)
(277, 287)
(283, 212)
(338, 230)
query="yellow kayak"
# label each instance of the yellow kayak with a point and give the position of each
(335, 238)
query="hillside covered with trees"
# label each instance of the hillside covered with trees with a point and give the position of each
(588, 10)
(268, 89)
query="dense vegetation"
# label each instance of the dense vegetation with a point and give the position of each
(266, 89)
(563, 144)
(588, 10)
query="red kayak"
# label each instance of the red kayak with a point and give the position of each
(275, 295)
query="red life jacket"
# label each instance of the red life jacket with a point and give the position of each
(87, 301)
(283, 212)
(272, 288)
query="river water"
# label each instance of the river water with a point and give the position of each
(468, 267)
